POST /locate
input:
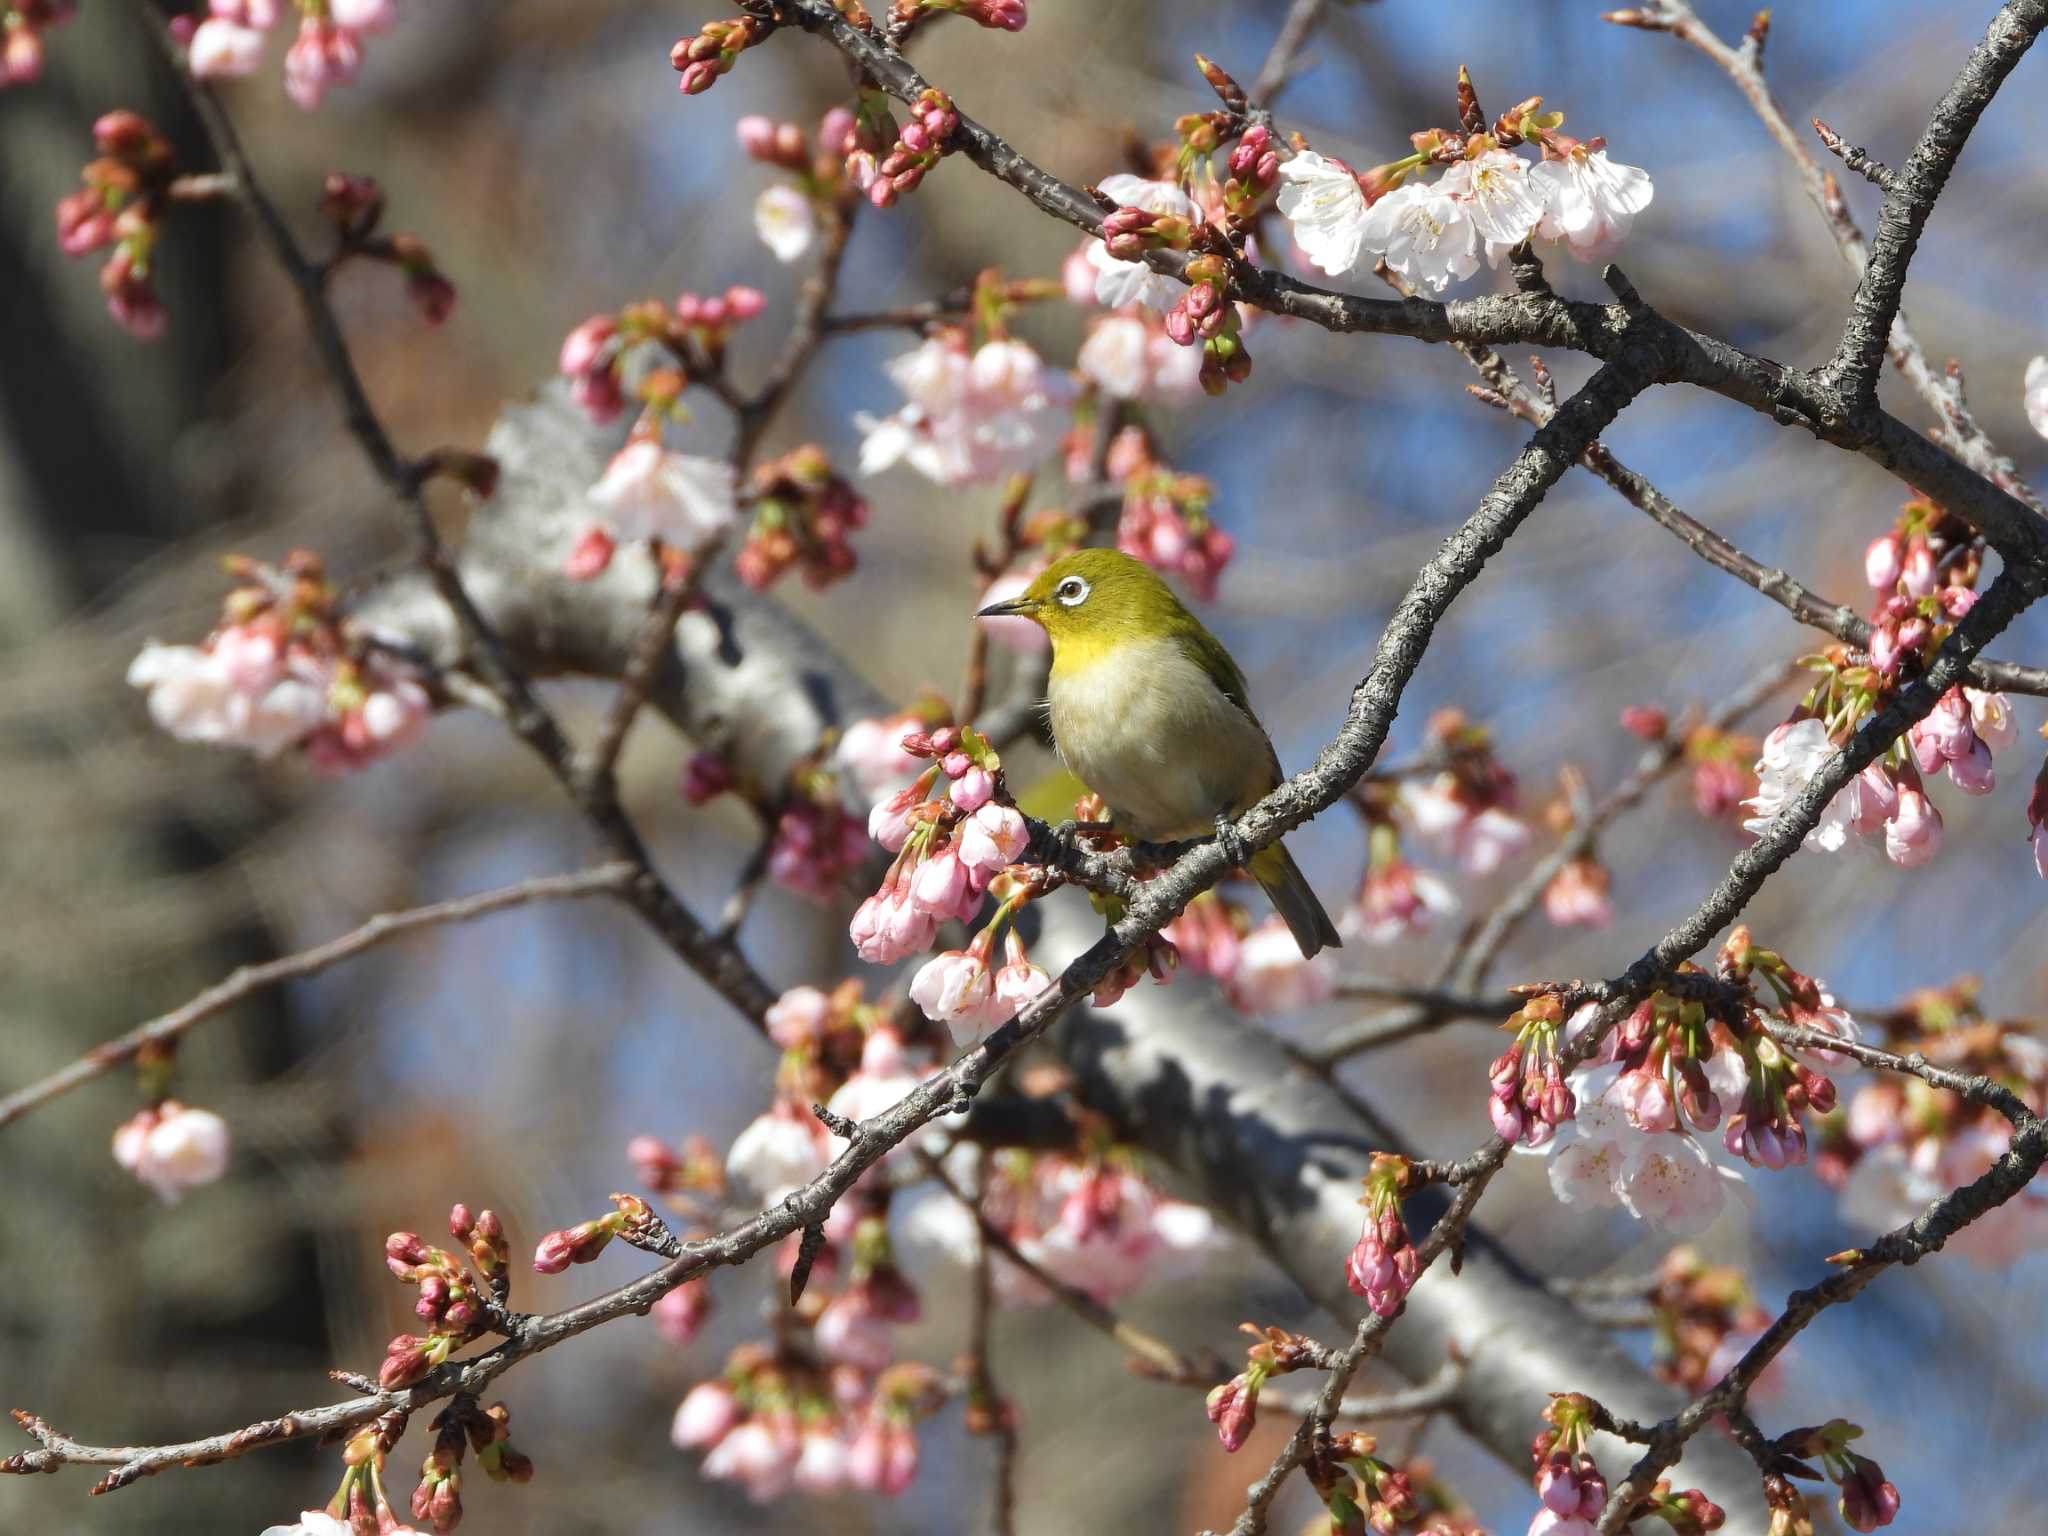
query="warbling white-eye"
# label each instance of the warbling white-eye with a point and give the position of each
(1149, 711)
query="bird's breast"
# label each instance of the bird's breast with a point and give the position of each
(1147, 729)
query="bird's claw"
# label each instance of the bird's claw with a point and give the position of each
(1230, 839)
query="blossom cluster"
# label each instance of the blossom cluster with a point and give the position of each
(804, 519)
(1259, 966)
(832, 1403)
(975, 415)
(1573, 1492)
(1901, 1143)
(1383, 1265)
(1683, 1064)
(354, 205)
(1706, 1317)
(1165, 518)
(22, 25)
(122, 204)
(1487, 201)
(284, 671)
(1719, 759)
(700, 60)
(328, 50)
(1923, 574)
(452, 1291)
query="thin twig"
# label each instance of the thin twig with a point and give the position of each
(1282, 59)
(724, 967)
(248, 980)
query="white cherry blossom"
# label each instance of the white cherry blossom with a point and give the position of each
(1590, 201)
(1326, 208)
(1423, 233)
(786, 221)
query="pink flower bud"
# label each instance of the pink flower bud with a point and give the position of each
(1882, 563)
(971, 790)
(707, 1412)
(1913, 835)
(1233, 1408)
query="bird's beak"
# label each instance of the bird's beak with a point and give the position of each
(1015, 607)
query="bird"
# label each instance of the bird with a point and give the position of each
(1151, 713)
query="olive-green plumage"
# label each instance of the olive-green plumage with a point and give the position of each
(1150, 712)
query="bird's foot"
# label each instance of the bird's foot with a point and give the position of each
(1231, 840)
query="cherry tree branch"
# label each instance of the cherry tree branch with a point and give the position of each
(1971, 1086)
(1925, 1234)
(1669, 352)
(1506, 389)
(1282, 59)
(721, 964)
(1942, 392)
(248, 980)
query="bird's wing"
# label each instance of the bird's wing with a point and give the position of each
(1223, 670)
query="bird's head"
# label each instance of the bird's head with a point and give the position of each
(1095, 599)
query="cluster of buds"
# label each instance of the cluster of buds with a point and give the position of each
(1254, 173)
(632, 1219)
(773, 1423)
(818, 845)
(1868, 1501)
(127, 191)
(1573, 1491)
(452, 1296)
(1204, 316)
(1363, 1492)
(1923, 577)
(948, 846)
(354, 205)
(651, 352)
(1706, 1315)
(786, 213)
(1396, 899)
(1765, 1128)
(22, 25)
(284, 670)
(804, 516)
(1467, 808)
(462, 1425)
(1721, 778)
(1383, 1265)
(328, 50)
(920, 145)
(998, 15)
(700, 60)
(1530, 1098)
(1165, 519)
(1233, 1408)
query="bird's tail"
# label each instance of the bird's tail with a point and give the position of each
(1289, 891)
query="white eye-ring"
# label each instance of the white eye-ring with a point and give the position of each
(1072, 592)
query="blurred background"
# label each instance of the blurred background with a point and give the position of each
(544, 154)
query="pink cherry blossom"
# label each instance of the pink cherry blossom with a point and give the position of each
(751, 1455)
(992, 839)
(1590, 201)
(225, 50)
(650, 492)
(321, 56)
(797, 1017)
(1913, 835)
(957, 989)
(2036, 394)
(870, 752)
(173, 1148)
(312, 1522)
(1397, 900)
(969, 420)
(1272, 976)
(822, 1465)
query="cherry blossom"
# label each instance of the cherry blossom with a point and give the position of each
(1326, 208)
(1589, 201)
(971, 419)
(751, 1455)
(1396, 900)
(707, 1411)
(173, 1148)
(1120, 283)
(650, 492)
(870, 754)
(1913, 835)
(1481, 837)
(313, 1522)
(225, 50)
(1271, 975)
(2036, 397)
(779, 1151)
(1131, 358)
(1423, 233)
(957, 989)
(242, 690)
(1792, 754)
(1503, 199)
(786, 222)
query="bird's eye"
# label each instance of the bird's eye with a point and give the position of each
(1072, 592)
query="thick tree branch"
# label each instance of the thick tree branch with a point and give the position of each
(1941, 391)
(248, 980)
(1909, 201)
